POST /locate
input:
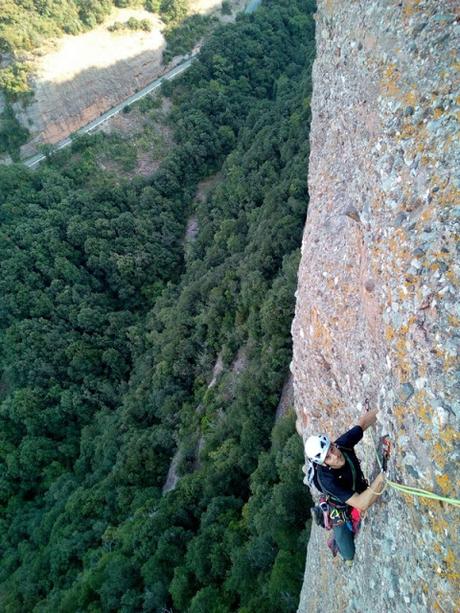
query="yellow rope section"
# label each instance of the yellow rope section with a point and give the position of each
(415, 491)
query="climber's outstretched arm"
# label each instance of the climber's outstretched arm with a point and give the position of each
(367, 498)
(368, 419)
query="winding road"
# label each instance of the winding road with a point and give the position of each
(39, 157)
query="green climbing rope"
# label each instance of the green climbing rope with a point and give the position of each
(415, 491)
(422, 493)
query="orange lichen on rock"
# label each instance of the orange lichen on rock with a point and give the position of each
(410, 7)
(444, 484)
(389, 82)
(444, 446)
(320, 332)
(410, 98)
(451, 564)
(402, 355)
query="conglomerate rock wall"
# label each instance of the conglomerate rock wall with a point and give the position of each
(377, 314)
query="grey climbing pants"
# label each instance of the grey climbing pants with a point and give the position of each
(345, 540)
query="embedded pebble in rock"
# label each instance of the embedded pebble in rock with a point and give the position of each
(377, 313)
(369, 285)
(405, 392)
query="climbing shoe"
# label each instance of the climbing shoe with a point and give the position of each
(332, 545)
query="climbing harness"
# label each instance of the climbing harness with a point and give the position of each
(328, 515)
(321, 513)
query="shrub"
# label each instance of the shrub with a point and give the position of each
(12, 133)
(14, 81)
(226, 8)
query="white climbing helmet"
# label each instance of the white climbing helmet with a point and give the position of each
(316, 448)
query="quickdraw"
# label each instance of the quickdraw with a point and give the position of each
(338, 517)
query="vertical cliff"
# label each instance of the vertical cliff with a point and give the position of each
(377, 311)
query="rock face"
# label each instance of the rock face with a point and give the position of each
(377, 312)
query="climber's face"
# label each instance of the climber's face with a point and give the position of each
(334, 457)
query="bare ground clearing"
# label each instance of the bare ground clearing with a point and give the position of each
(149, 134)
(203, 190)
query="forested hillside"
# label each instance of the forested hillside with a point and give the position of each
(111, 327)
(25, 23)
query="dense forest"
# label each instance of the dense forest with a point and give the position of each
(111, 327)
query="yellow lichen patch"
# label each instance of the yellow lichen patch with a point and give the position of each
(404, 329)
(410, 98)
(399, 412)
(444, 483)
(411, 281)
(435, 266)
(389, 81)
(426, 215)
(440, 522)
(437, 113)
(396, 245)
(450, 361)
(407, 131)
(450, 274)
(402, 293)
(440, 255)
(444, 446)
(432, 505)
(410, 7)
(453, 321)
(441, 182)
(450, 562)
(402, 358)
(389, 333)
(422, 369)
(449, 570)
(320, 333)
(424, 160)
(424, 414)
(448, 197)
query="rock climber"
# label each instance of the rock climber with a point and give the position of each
(338, 474)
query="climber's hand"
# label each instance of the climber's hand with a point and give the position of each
(368, 419)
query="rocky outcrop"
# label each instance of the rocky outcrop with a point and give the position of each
(377, 310)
